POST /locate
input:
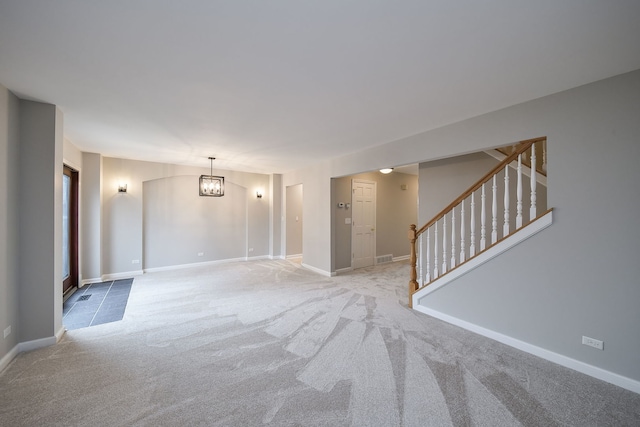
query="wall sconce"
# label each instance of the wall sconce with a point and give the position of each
(122, 188)
(211, 185)
(386, 170)
(259, 194)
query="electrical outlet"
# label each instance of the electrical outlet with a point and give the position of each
(592, 342)
(250, 249)
(7, 331)
(200, 253)
(135, 261)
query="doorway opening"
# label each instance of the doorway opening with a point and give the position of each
(69, 231)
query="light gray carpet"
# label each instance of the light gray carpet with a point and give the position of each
(255, 343)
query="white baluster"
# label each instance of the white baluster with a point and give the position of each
(519, 194)
(494, 212)
(544, 156)
(472, 245)
(483, 221)
(505, 228)
(462, 232)
(420, 253)
(428, 278)
(453, 238)
(435, 253)
(533, 210)
(444, 244)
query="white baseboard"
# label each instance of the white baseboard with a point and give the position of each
(257, 258)
(344, 270)
(123, 275)
(60, 333)
(567, 362)
(400, 258)
(7, 358)
(30, 345)
(317, 270)
(193, 264)
(294, 256)
(205, 263)
(35, 344)
(90, 281)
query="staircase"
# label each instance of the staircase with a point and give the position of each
(471, 230)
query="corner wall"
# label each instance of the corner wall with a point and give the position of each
(40, 209)
(9, 221)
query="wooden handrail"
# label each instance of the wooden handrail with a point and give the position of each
(522, 147)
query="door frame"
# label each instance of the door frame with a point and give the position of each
(70, 283)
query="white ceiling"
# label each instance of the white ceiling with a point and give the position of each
(271, 86)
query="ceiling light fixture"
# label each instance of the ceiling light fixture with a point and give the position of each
(211, 185)
(386, 170)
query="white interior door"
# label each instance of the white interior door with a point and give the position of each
(363, 223)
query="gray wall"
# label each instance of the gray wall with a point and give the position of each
(123, 219)
(9, 219)
(586, 276)
(396, 209)
(91, 217)
(276, 216)
(40, 224)
(294, 219)
(180, 227)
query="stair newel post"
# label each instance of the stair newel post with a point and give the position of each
(462, 231)
(494, 212)
(519, 194)
(428, 276)
(413, 283)
(444, 243)
(435, 252)
(505, 228)
(533, 210)
(483, 220)
(452, 263)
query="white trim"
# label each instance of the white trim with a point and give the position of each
(492, 252)
(90, 281)
(294, 256)
(567, 362)
(258, 258)
(60, 333)
(400, 258)
(317, 270)
(123, 275)
(343, 270)
(30, 345)
(4, 362)
(36, 344)
(194, 264)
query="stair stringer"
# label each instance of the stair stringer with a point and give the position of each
(503, 245)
